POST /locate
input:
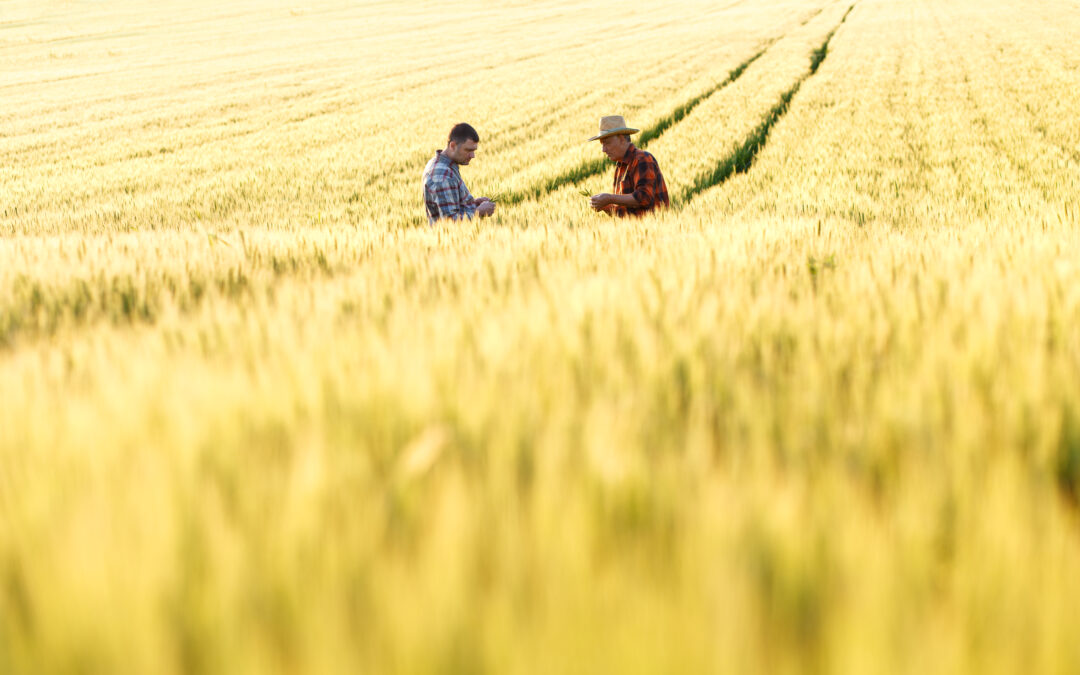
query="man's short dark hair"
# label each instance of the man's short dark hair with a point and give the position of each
(463, 132)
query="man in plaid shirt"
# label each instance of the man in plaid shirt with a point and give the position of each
(639, 185)
(445, 194)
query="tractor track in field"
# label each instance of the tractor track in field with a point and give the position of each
(742, 157)
(597, 166)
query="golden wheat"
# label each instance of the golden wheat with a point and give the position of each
(821, 415)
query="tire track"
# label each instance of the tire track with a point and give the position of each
(742, 158)
(594, 167)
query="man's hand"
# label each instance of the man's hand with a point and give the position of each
(485, 209)
(480, 200)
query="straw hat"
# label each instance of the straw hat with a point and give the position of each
(613, 125)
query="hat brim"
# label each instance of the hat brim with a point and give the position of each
(622, 131)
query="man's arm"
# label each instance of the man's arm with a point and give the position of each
(601, 201)
(644, 195)
(446, 199)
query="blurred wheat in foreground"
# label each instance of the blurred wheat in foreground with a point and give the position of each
(820, 416)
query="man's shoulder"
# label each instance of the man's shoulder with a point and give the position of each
(645, 156)
(645, 161)
(438, 170)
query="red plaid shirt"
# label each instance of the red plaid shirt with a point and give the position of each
(638, 174)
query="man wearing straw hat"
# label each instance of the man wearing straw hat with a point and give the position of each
(639, 185)
(445, 194)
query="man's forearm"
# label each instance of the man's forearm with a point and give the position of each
(625, 200)
(458, 211)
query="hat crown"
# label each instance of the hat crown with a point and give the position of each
(613, 125)
(609, 122)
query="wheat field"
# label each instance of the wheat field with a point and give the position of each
(822, 415)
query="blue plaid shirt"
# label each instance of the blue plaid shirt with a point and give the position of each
(445, 194)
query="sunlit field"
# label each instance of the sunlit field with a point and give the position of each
(821, 415)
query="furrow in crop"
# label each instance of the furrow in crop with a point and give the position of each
(594, 167)
(742, 158)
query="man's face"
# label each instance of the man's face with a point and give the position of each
(615, 146)
(462, 153)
